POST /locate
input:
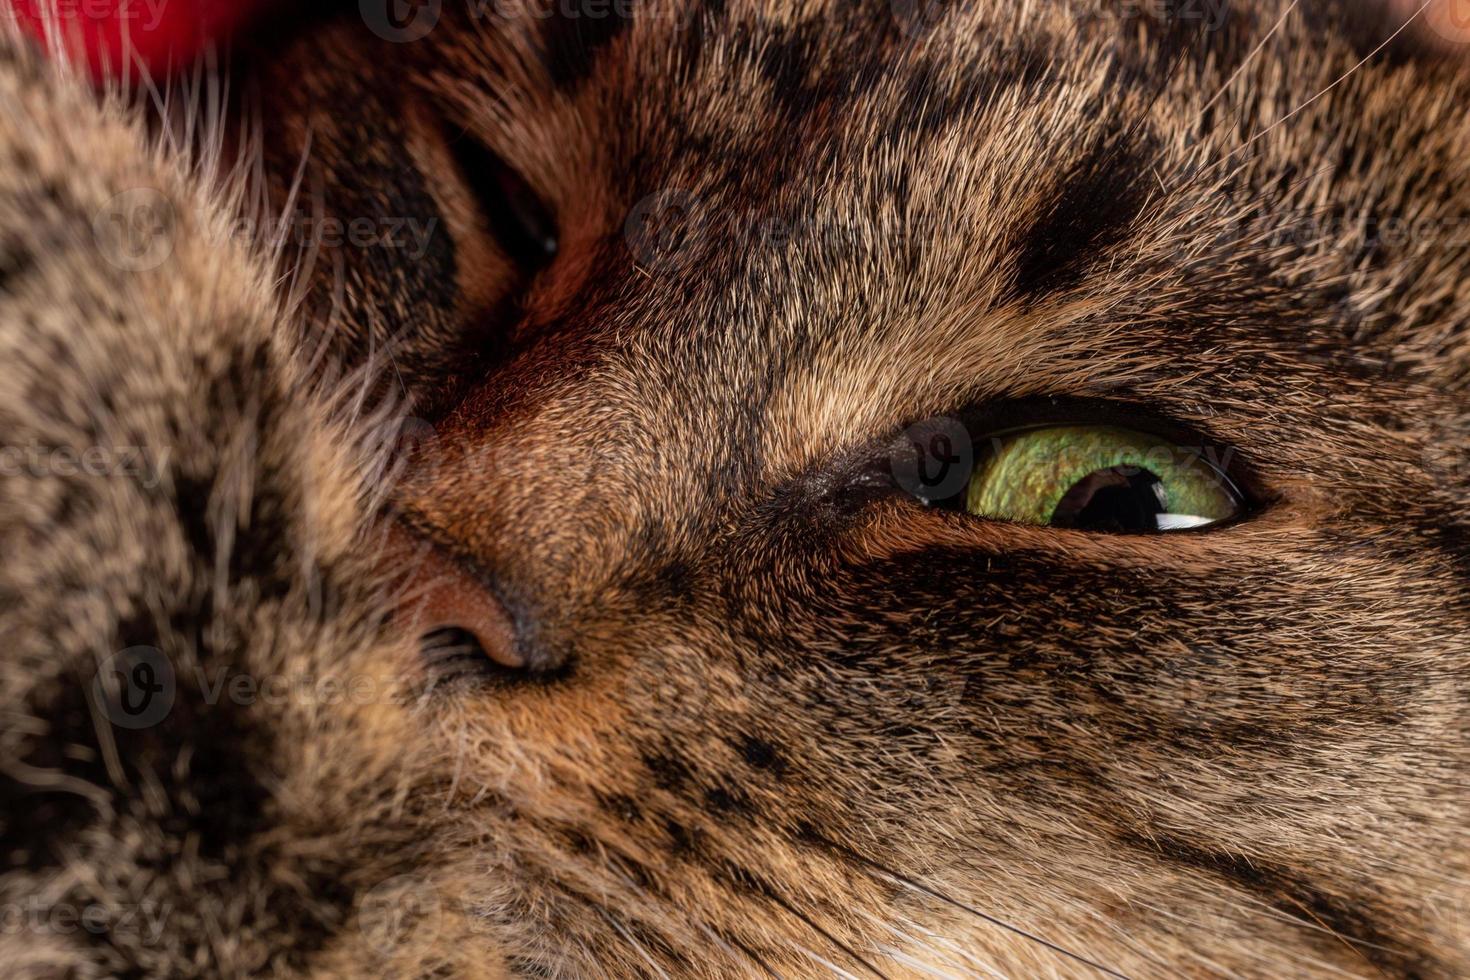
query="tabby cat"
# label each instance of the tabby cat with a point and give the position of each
(736, 488)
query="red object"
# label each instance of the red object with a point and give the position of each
(164, 35)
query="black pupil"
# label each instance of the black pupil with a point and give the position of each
(1116, 499)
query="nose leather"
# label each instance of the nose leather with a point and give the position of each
(443, 593)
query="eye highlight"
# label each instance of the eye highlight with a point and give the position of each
(1099, 478)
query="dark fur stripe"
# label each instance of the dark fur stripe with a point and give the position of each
(1349, 919)
(572, 39)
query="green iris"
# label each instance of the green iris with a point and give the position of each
(1101, 478)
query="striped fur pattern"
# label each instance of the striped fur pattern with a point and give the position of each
(784, 720)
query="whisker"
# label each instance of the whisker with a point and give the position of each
(1289, 957)
(613, 861)
(1233, 154)
(1429, 873)
(744, 950)
(946, 954)
(847, 949)
(919, 966)
(1245, 62)
(1310, 921)
(836, 970)
(1348, 74)
(632, 941)
(1351, 944)
(921, 888)
(944, 944)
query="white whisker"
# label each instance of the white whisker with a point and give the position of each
(637, 946)
(1348, 74)
(1245, 62)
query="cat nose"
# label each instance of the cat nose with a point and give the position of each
(442, 596)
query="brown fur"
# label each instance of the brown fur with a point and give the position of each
(783, 720)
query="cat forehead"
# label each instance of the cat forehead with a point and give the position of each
(1028, 135)
(800, 140)
(1021, 199)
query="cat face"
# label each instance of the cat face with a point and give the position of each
(772, 710)
(752, 491)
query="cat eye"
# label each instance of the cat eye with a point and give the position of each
(1102, 478)
(519, 220)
